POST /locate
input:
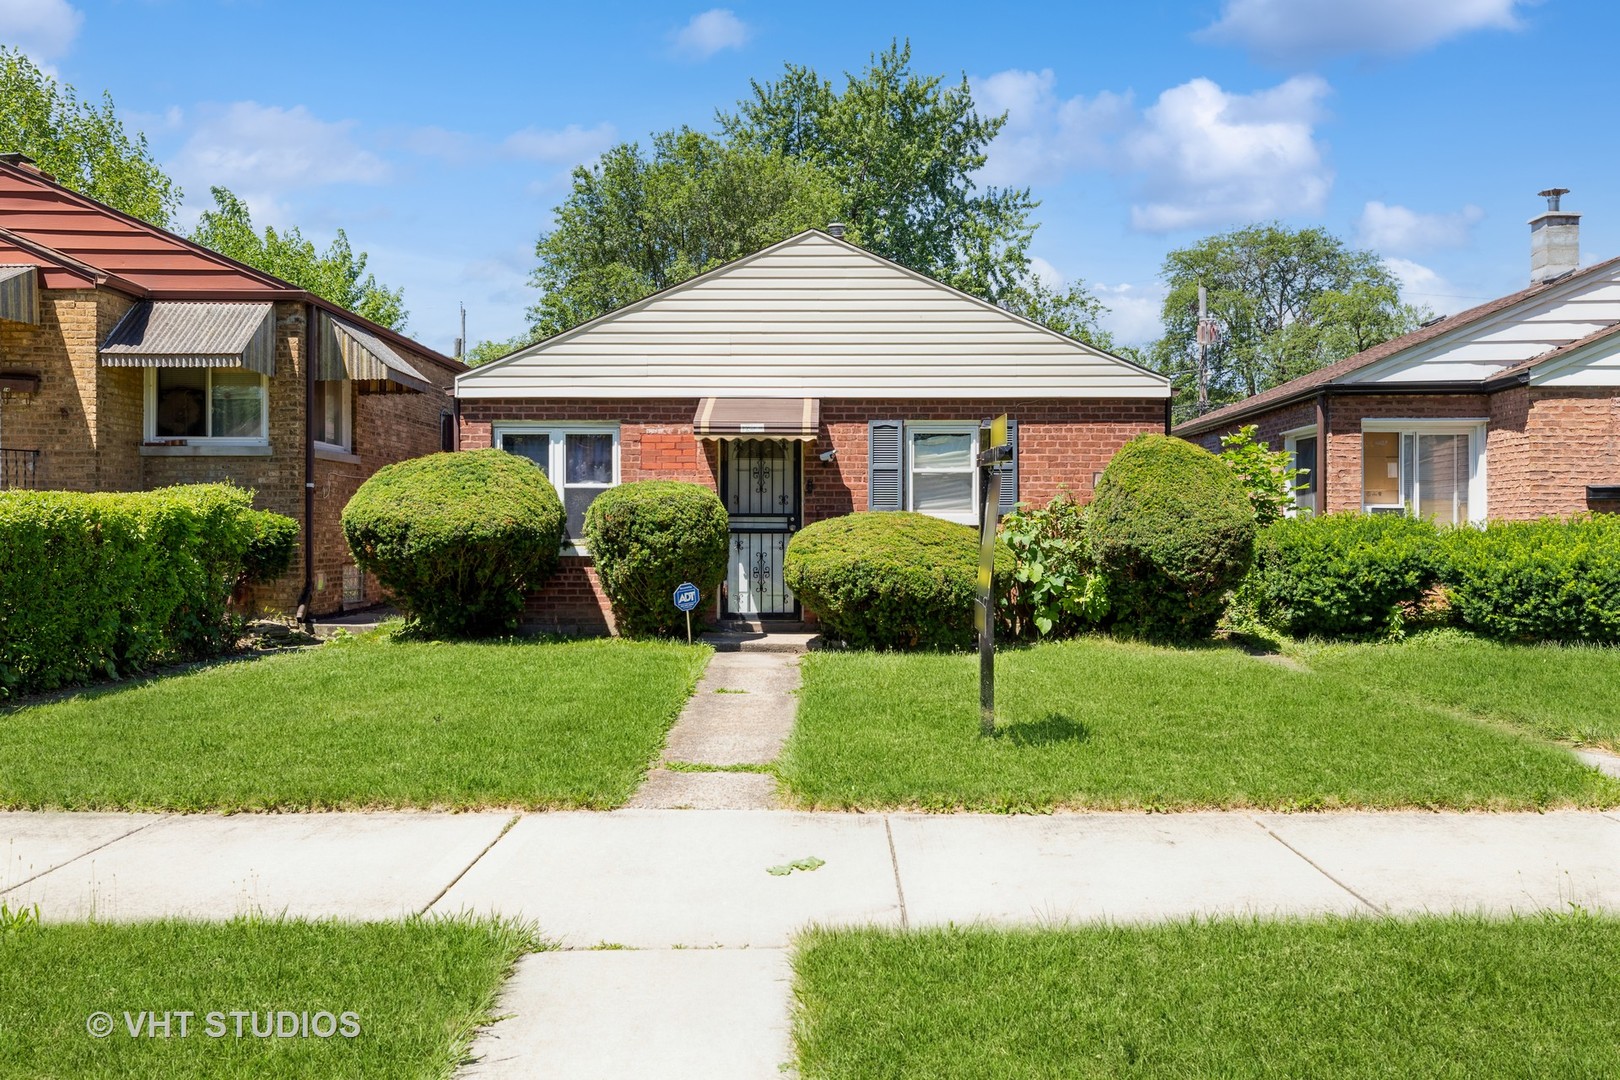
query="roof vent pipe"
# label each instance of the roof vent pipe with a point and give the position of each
(835, 229)
(1555, 239)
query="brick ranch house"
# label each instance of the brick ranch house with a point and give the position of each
(1509, 410)
(132, 359)
(808, 380)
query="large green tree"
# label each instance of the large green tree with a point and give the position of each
(902, 149)
(84, 145)
(1285, 303)
(338, 274)
(637, 222)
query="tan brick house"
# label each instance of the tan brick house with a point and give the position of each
(1509, 410)
(131, 358)
(805, 381)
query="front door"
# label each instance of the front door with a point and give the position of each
(759, 482)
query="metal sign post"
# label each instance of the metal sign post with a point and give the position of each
(994, 449)
(686, 598)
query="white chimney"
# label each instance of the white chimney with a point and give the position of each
(1555, 240)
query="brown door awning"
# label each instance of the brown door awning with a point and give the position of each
(757, 418)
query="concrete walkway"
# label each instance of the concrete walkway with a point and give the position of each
(740, 714)
(679, 932)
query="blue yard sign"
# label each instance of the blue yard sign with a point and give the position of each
(686, 598)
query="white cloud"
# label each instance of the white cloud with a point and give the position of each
(1422, 286)
(44, 29)
(1396, 229)
(269, 149)
(1208, 157)
(1049, 275)
(569, 146)
(1290, 32)
(710, 32)
(1133, 311)
(1045, 136)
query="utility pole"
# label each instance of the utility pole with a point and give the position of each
(1208, 334)
(461, 342)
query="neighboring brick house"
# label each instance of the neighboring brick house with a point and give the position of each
(1508, 410)
(132, 359)
(805, 381)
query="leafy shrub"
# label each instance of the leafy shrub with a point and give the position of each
(1055, 587)
(1341, 575)
(1268, 476)
(891, 580)
(272, 543)
(458, 538)
(1547, 580)
(1173, 531)
(649, 537)
(107, 584)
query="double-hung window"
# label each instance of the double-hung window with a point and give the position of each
(942, 470)
(334, 427)
(1432, 469)
(580, 460)
(227, 405)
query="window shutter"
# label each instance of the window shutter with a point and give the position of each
(885, 461)
(1009, 472)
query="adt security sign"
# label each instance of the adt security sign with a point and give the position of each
(686, 598)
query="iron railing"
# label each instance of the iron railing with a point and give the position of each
(18, 469)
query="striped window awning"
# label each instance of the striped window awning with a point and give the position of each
(350, 352)
(757, 418)
(163, 333)
(19, 294)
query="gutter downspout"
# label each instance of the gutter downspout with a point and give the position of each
(1321, 451)
(1167, 414)
(311, 352)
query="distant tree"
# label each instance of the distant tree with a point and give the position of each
(83, 145)
(338, 274)
(1286, 301)
(901, 149)
(635, 223)
(1071, 310)
(486, 351)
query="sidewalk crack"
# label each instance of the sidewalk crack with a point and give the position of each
(487, 848)
(894, 862)
(83, 854)
(1314, 865)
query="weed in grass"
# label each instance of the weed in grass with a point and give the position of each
(725, 690)
(16, 920)
(704, 766)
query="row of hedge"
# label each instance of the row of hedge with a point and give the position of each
(1359, 575)
(102, 585)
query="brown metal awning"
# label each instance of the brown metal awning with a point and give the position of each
(757, 418)
(19, 294)
(161, 333)
(349, 352)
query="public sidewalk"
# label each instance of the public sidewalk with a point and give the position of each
(698, 982)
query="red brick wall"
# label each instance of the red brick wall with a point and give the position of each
(1061, 444)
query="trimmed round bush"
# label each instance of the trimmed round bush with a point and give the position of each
(1341, 575)
(458, 538)
(271, 543)
(1173, 532)
(1546, 580)
(649, 537)
(892, 580)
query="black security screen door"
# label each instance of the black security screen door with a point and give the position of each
(759, 482)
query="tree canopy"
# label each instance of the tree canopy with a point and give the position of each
(1286, 302)
(84, 145)
(338, 274)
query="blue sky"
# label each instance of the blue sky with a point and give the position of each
(441, 137)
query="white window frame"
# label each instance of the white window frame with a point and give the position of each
(1475, 427)
(1291, 440)
(345, 444)
(557, 457)
(969, 428)
(149, 409)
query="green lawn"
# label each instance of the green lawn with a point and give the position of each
(1103, 724)
(1570, 692)
(361, 723)
(1344, 998)
(418, 990)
